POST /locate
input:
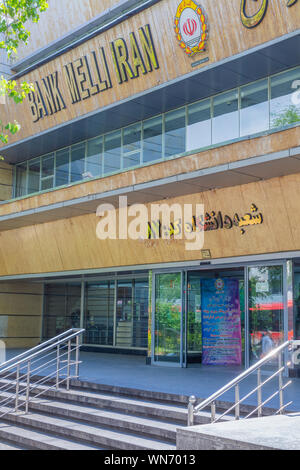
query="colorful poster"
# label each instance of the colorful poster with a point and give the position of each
(221, 322)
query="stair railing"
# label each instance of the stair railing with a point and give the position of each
(38, 370)
(281, 352)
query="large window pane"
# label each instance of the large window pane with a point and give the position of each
(48, 165)
(21, 180)
(199, 125)
(168, 317)
(112, 152)
(132, 145)
(124, 325)
(254, 108)
(152, 141)
(61, 308)
(175, 132)
(94, 157)
(34, 167)
(140, 314)
(62, 167)
(99, 313)
(284, 110)
(47, 183)
(266, 306)
(226, 117)
(77, 162)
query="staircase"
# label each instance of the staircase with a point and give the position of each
(98, 417)
(57, 411)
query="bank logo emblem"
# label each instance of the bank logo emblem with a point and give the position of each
(191, 27)
(219, 285)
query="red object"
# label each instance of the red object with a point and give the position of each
(190, 27)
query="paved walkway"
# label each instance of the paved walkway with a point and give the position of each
(202, 381)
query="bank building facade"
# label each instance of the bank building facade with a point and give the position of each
(156, 102)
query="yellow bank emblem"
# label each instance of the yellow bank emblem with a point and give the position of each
(191, 27)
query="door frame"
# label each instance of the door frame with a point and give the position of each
(182, 356)
(287, 290)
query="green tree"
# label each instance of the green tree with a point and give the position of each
(14, 17)
(289, 115)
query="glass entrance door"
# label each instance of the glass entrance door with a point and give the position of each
(168, 319)
(215, 315)
(266, 310)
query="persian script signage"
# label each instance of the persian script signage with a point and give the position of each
(211, 221)
(90, 75)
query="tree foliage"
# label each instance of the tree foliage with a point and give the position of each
(289, 115)
(15, 15)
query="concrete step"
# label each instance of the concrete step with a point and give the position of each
(22, 438)
(9, 446)
(149, 396)
(176, 414)
(117, 421)
(78, 432)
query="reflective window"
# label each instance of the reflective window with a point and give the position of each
(62, 167)
(244, 111)
(77, 162)
(175, 132)
(112, 152)
(254, 108)
(61, 308)
(94, 158)
(114, 315)
(132, 145)
(99, 313)
(199, 125)
(225, 123)
(47, 178)
(284, 108)
(48, 166)
(21, 180)
(34, 169)
(266, 305)
(152, 141)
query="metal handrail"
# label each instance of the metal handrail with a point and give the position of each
(41, 356)
(211, 401)
(36, 348)
(36, 354)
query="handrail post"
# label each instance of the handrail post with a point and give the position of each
(68, 365)
(259, 393)
(27, 387)
(77, 357)
(17, 388)
(237, 405)
(192, 401)
(57, 365)
(280, 383)
(213, 411)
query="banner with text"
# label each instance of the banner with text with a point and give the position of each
(221, 322)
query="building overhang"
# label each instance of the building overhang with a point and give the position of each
(237, 173)
(254, 64)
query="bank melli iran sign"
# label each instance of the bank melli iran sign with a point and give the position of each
(90, 75)
(128, 59)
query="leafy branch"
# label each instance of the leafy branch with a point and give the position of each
(14, 15)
